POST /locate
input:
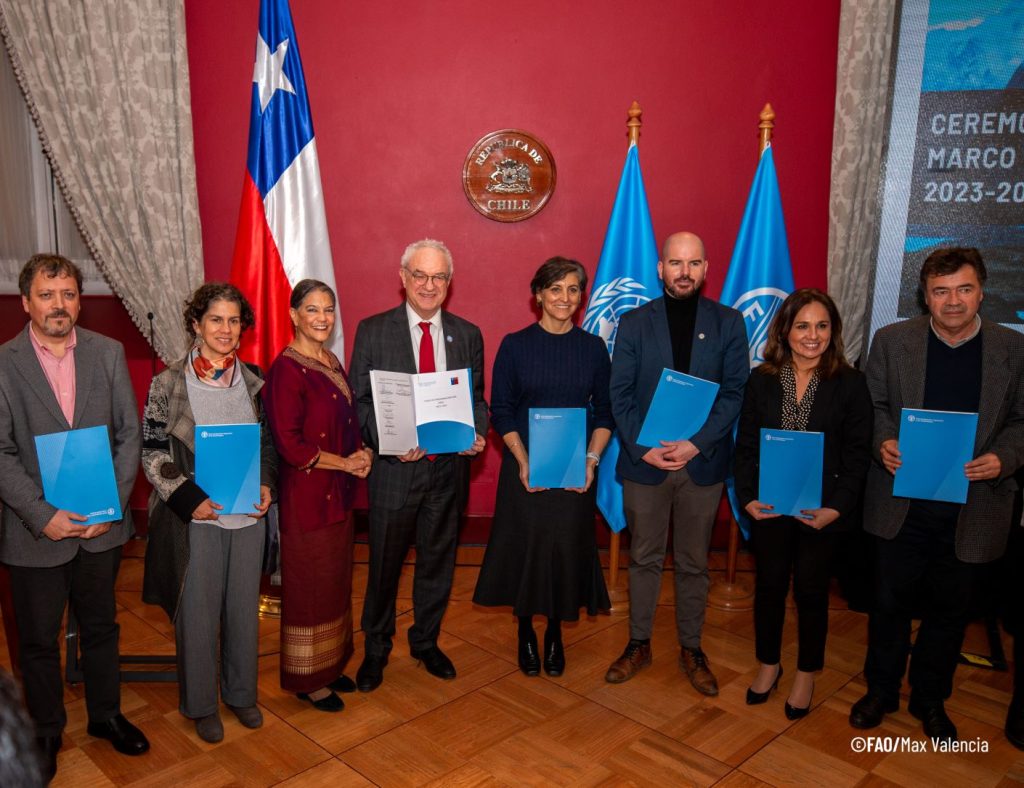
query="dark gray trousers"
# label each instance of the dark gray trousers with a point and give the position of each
(219, 602)
(430, 519)
(689, 508)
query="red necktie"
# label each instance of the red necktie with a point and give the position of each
(427, 358)
(426, 349)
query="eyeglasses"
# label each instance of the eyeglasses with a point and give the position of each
(421, 278)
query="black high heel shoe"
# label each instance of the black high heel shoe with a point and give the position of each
(529, 659)
(756, 698)
(554, 656)
(795, 713)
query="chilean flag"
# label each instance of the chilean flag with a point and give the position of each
(282, 225)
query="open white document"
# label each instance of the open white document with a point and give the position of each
(431, 410)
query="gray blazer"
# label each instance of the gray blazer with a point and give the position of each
(895, 373)
(28, 407)
(383, 342)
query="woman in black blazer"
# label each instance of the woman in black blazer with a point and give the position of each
(805, 383)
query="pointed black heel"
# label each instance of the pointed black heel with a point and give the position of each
(757, 698)
(795, 713)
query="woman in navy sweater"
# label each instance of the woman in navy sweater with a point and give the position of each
(542, 555)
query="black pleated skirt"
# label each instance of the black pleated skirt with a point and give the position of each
(541, 558)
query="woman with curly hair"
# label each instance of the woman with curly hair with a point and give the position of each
(203, 567)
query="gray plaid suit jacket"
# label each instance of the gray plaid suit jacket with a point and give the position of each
(28, 407)
(383, 342)
(895, 373)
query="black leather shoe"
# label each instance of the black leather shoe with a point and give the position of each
(1015, 724)
(342, 684)
(757, 698)
(934, 720)
(327, 703)
(554, 656)
(436, 663)
(48, 747)
(869, 711)
(370, 673)
(126, 738)
(529, 659)
(797, 712)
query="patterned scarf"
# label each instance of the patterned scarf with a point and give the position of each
(216, 373)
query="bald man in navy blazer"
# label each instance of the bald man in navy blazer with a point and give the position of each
(677, 484)
(414, 498)
(56, 377)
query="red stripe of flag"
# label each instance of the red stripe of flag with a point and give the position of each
(256, 269)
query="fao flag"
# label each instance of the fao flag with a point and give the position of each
(760, 274)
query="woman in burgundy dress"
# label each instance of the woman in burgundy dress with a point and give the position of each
(312, 417)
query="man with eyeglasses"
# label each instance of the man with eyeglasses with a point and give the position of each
(414, 498)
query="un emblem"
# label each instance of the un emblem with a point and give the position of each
(758, 307)
(607, 304)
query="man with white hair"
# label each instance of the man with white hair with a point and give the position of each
(414, 498)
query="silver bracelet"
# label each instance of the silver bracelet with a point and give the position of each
(596, 458)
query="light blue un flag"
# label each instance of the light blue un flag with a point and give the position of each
(626, 277)
(760, 274)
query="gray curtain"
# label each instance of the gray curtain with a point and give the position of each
(862, 83)
(107, 86)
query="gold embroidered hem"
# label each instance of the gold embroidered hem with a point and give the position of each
(309, 650)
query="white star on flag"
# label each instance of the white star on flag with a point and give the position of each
(269, 71)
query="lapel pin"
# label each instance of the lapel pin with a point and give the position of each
(700, 336)
(448, 338)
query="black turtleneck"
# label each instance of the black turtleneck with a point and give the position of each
(682, 318)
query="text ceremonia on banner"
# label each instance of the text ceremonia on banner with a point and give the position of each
(972, 156)
(508, 175)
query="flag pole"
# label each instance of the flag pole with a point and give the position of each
(731, 594)
(620, 596)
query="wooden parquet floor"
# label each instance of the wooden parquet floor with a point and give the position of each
(494, 726)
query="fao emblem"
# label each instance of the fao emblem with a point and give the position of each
(607, 304)
(758, 307)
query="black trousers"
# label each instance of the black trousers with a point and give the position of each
(918, 571)
(430, 519)
(40, 595)
(783, 547)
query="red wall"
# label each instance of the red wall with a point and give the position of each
(401, 90)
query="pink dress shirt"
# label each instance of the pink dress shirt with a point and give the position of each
(60, 372)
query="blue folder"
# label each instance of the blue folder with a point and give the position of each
(679, 408)
(77, 471)
(558, 447)
(934, 447)
(791, 470)
(228, 465)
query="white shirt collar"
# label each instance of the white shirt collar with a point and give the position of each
(415, 320)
